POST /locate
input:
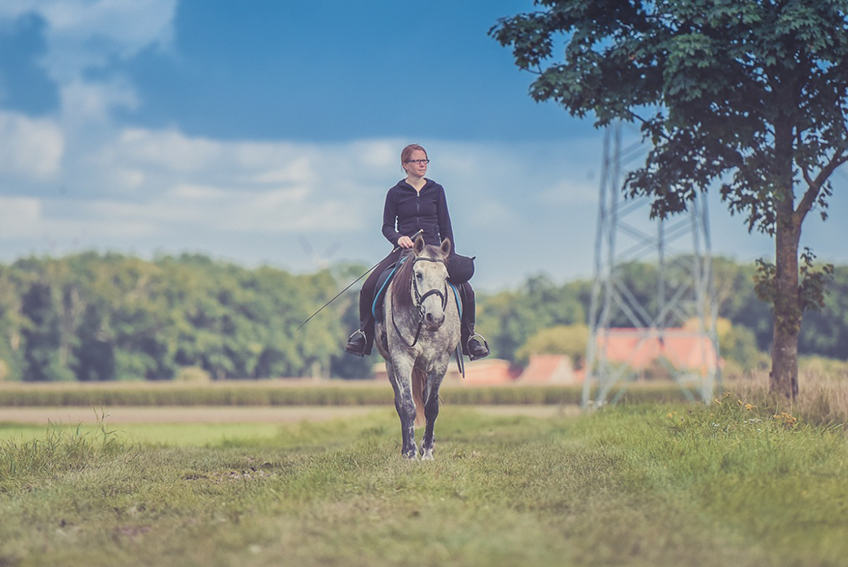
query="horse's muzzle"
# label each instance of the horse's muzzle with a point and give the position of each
(434, 320)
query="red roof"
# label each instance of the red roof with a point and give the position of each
(548, 369)
(486, 372)
(638, 348)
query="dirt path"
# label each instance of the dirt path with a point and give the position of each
(290, 414)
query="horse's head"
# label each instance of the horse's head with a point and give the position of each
(429, 281)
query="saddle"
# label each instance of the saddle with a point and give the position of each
(385, 278)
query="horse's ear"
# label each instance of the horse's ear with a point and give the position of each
(419, 245)
(446, 247)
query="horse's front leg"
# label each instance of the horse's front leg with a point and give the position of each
(431, 407)
(404, 404)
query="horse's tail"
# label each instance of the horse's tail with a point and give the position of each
(419, 378)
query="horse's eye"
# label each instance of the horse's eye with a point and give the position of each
(419, 276)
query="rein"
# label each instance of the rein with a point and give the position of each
(419, 302)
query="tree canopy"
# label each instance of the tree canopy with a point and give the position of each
(93, 317)
(748, 96)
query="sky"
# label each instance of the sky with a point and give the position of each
(268, 132)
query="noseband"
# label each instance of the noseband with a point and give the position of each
(419, 301)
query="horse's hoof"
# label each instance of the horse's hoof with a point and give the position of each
(411, 455)
(427, 455)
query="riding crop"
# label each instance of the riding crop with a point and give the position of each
(395, 249)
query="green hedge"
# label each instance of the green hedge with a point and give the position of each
(277, 394)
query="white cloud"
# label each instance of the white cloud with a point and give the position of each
(148, 218)
(169, 150)
(268, 211)
(89, 34)
(130, 23)
(18, 215)
(195, 207)
(148, 184)
(190, 193)
(82, 34)
(27, 220)
(29, 148)
(127, 178)
(84, 102)
(299, 170)
(377, 154)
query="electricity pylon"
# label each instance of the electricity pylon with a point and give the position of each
(628, 328)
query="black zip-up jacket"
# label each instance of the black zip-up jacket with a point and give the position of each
(407, 211)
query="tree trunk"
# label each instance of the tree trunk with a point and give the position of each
(787, 305)
(787, 302)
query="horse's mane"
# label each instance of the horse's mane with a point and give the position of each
(401, 294)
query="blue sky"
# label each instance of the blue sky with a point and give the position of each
(269, 131)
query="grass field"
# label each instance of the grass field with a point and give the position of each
(729, 484)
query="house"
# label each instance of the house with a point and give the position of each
(642, 348)
(549, 369)
(486, 372)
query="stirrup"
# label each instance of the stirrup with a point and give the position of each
(357, 343)
(485, 344)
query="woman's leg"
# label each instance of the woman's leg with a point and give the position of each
(473, 345)
(361, 341)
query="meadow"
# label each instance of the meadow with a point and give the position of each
(740, 482)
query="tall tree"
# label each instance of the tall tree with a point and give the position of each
(748, 95)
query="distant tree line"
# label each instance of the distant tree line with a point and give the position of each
(92, 317)
(98, 317)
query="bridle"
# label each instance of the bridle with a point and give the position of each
(419, 300)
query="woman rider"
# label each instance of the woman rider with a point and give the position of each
(414, 204)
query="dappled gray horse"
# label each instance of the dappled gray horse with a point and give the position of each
(418, 333)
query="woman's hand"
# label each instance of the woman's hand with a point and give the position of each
(405, 242)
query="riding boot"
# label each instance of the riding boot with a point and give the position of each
(473, 344)
(362, 340)
(357, 343)
(477, 347)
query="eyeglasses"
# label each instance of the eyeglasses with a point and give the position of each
(418, 161)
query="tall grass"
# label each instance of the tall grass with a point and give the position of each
(822, 398)
(59, 450)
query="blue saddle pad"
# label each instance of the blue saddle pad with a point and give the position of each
(382, 285)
